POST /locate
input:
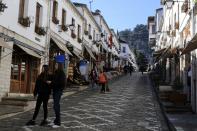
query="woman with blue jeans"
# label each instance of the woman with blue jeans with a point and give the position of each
(58, 84)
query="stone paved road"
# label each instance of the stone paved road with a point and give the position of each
(130, 106)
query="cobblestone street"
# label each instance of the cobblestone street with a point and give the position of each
(130, 106)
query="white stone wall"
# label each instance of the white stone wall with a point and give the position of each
(5, 70)
(9, 19)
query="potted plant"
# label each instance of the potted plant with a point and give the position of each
(64, 28)
(55, 20)
(24, 21)
(86, 32)
(79, 40)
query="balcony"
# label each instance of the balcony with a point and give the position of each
(24, 21)
(40, 30)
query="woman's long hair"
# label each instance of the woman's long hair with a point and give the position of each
(44, 74)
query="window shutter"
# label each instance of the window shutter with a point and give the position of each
(21, 8)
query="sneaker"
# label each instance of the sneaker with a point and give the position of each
(44, 123)
(31, 123)
(55, 126)
(51, 124)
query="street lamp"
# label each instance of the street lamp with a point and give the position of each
(2, 6)
(71, 27)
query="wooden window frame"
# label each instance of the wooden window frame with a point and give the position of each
(79, 33)
(55, 12)
(63, 26)
(21, 8)
(38, 29)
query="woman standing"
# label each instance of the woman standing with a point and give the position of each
(58, 84)
(43, 91)
(103, 81)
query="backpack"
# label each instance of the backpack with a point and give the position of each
(102, 78)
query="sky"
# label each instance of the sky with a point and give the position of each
(124, 14)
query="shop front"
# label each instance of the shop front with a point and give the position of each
(57, 48)
(25, 68)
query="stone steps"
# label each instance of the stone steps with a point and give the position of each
(16, 102)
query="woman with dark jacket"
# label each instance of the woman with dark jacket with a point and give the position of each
(58, 84)
(43, 91)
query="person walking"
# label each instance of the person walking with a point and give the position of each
(103, 81)
(58, 85)
(43, 91)
(130, 69)
(93, 78)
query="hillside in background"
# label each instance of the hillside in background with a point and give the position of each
(137, 39)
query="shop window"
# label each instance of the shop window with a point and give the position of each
(124, 49)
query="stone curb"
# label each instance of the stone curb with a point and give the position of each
(169, 123)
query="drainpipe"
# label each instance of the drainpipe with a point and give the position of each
(47, 45)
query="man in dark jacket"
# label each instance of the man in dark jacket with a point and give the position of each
(43, 91)
(58, 84)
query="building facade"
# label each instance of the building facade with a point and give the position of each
(34, 33)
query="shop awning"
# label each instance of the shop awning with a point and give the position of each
(29, 51)
(77, 53)
(4, 44)
(89, 51)
(192, 45)
(158, 52)
(165, 53)
(105, 47)
(61, 46)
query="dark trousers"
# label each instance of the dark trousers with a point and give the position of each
(42, 98)
(56, 98)
(103, 87)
